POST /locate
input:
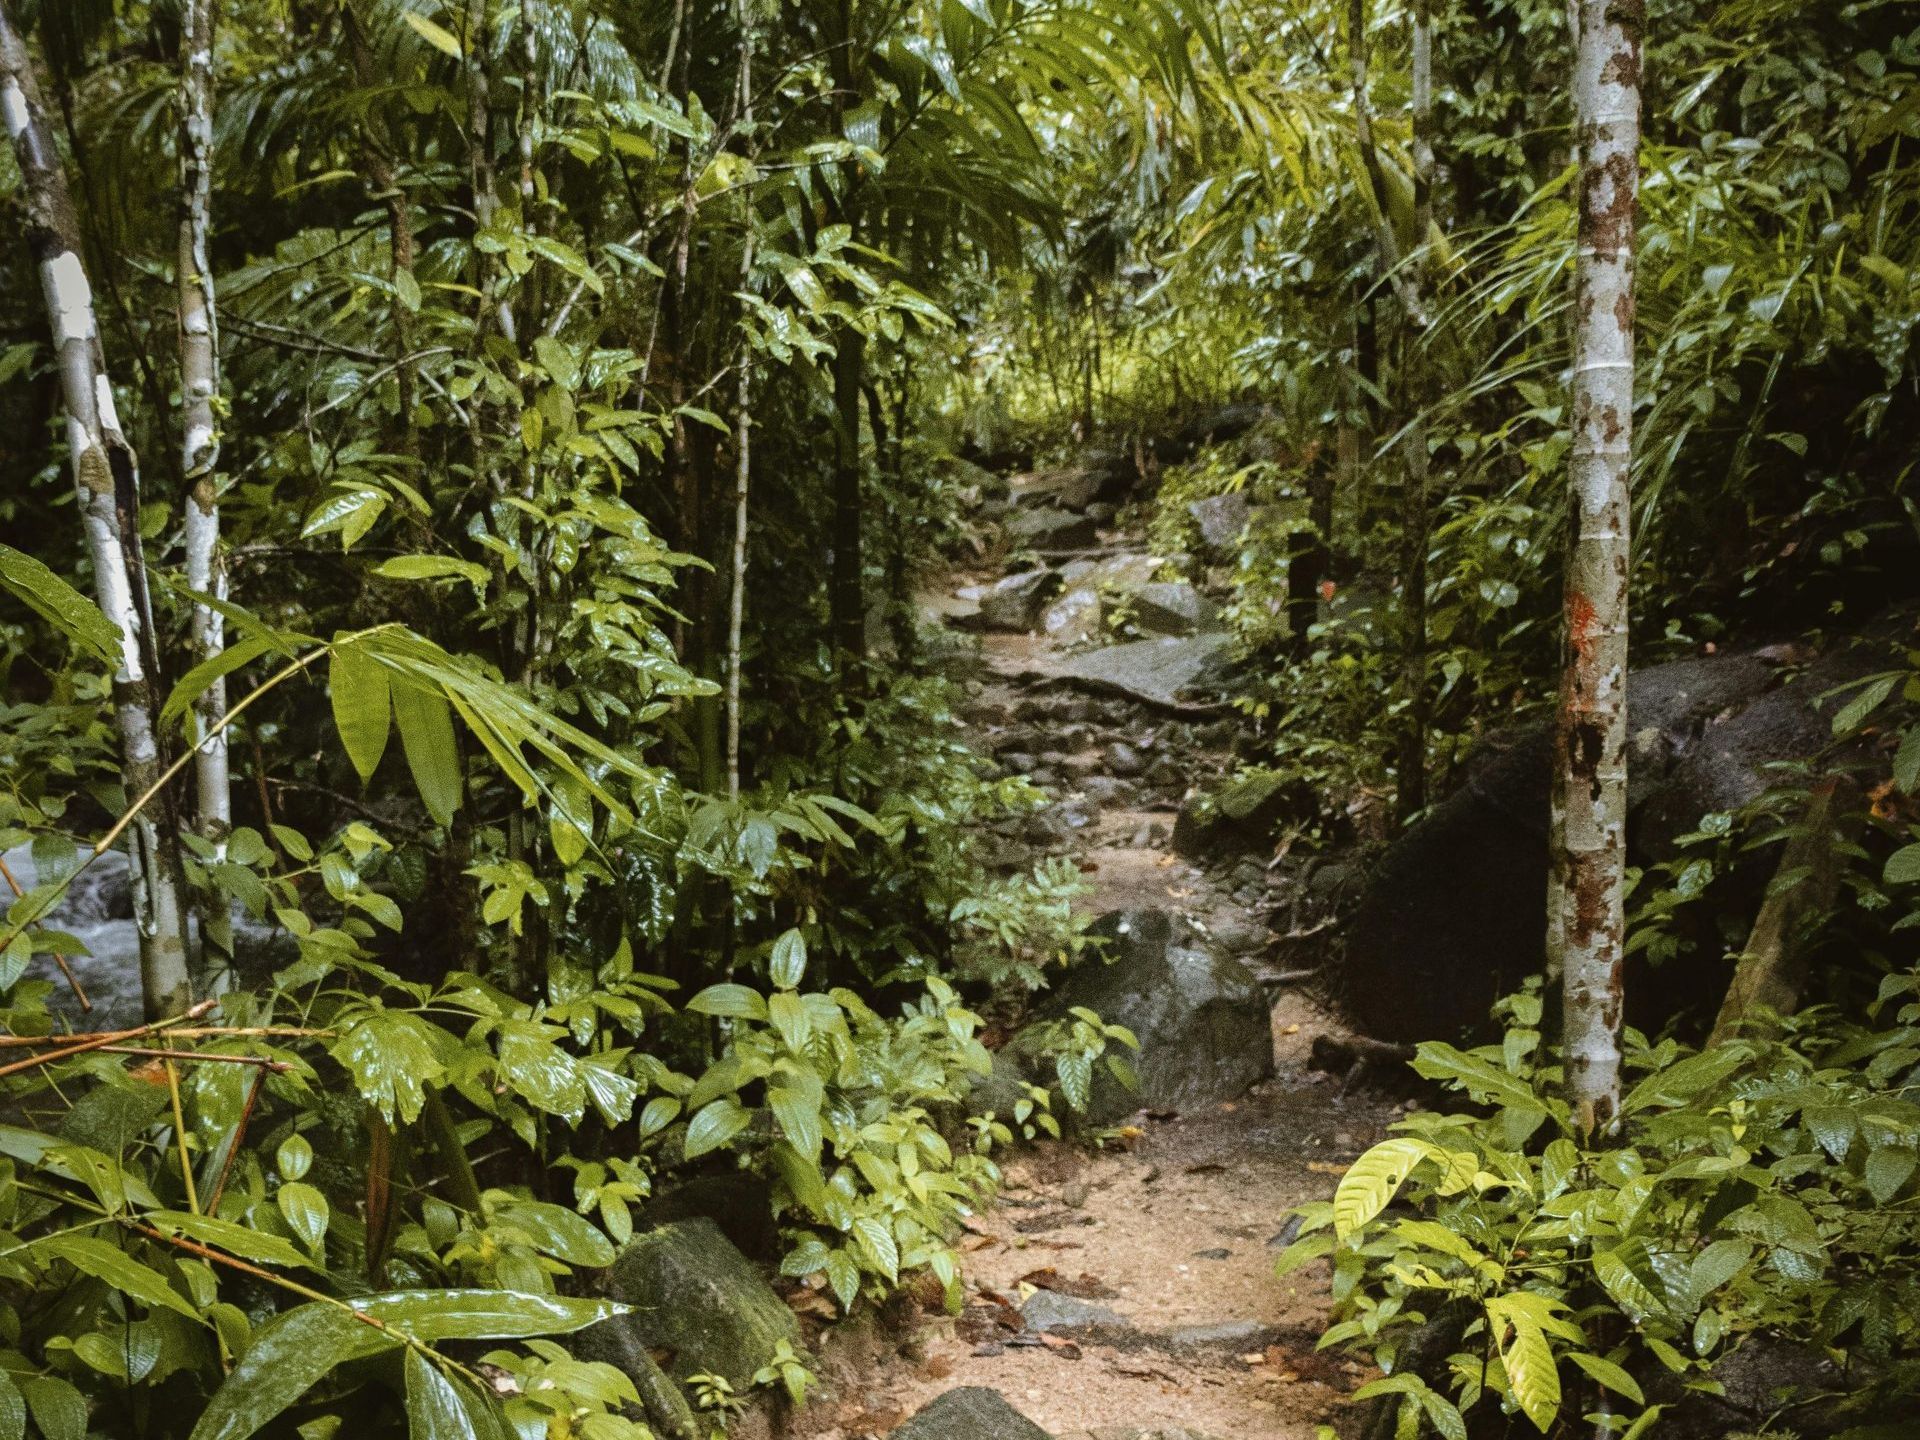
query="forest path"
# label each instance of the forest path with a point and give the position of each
(1157, 1251)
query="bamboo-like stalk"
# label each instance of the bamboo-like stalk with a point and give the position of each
(107, 479)
(1589, 823)
(200, 443)
(742, 436)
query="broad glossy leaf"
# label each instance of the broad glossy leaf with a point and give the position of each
(560, 1232)
(306, 1212)
(58, 603)
(715, 1125)
(434, 1411)
(362, 711)
(436, 1315)
(735, 1002)
(426, 734)
(13, 1409)
(104, 1261)
(1372, 1182)
(788, 963)
(241, 1240)
(435, 35)
(58, 1409)
(289, 1355)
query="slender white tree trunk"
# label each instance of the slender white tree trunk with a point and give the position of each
(107, 480)
(742, 437)
(1590, 794)
(200, 441)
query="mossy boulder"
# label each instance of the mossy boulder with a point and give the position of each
(1204, 1026)
(971, 1413)
(699, 1304)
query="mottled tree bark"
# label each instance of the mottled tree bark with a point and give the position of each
(200, 445)
(1588, 943)
(107, 480)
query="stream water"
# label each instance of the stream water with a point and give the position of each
(97, 911)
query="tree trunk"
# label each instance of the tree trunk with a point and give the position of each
(1587, 946)
(200, 446)
(742, 436)
(384, 185)
(1415, 519)
(1772, 969)
(846, 599)
(107, 480)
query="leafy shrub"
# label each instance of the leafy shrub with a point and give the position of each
(1762, 1186)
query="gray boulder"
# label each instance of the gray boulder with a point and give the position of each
(1173, 607)
(1239, 817)
(700, 1302)
(1454, 914)
(1205, 1030)
(1156, 671)
(1221, 519)
(971, 1413)
(1049, 1312)
(1012, 603)
(1045, 528)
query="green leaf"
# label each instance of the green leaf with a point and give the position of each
(1887, 1170)
(129, 1276)
(241, 1240)
(559, 1232)
(715, 1125)
(431, 1316)
(426, 734)
(1528, 1357)
(788, 1012)
(288, 1356)
(1629, 1291)
(362, 709)
(432, 567)
(58, 603)
(1903, 866)
(438, 36)
(1608, 1374)
(1372, 1181)
(1906, 761)
(434, 1408)
(306, 1212)
(58, 1409)
(734, 1002)
(13, 1410)
(556, 358)
(195, 683)
(1872, 695)
(391, 1056)
(877, 1244)
(1479, 1078)
(788, 963)
(661, 1112)
(798, 1114)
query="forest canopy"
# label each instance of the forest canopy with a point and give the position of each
(501, 504)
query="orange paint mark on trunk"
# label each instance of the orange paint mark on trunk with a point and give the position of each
(1583, 626)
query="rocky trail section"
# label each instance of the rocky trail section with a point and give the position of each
(1127, 1292)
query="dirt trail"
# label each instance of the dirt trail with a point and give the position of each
(1174, 1232)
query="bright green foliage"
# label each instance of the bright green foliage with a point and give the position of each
(1760, 1187)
